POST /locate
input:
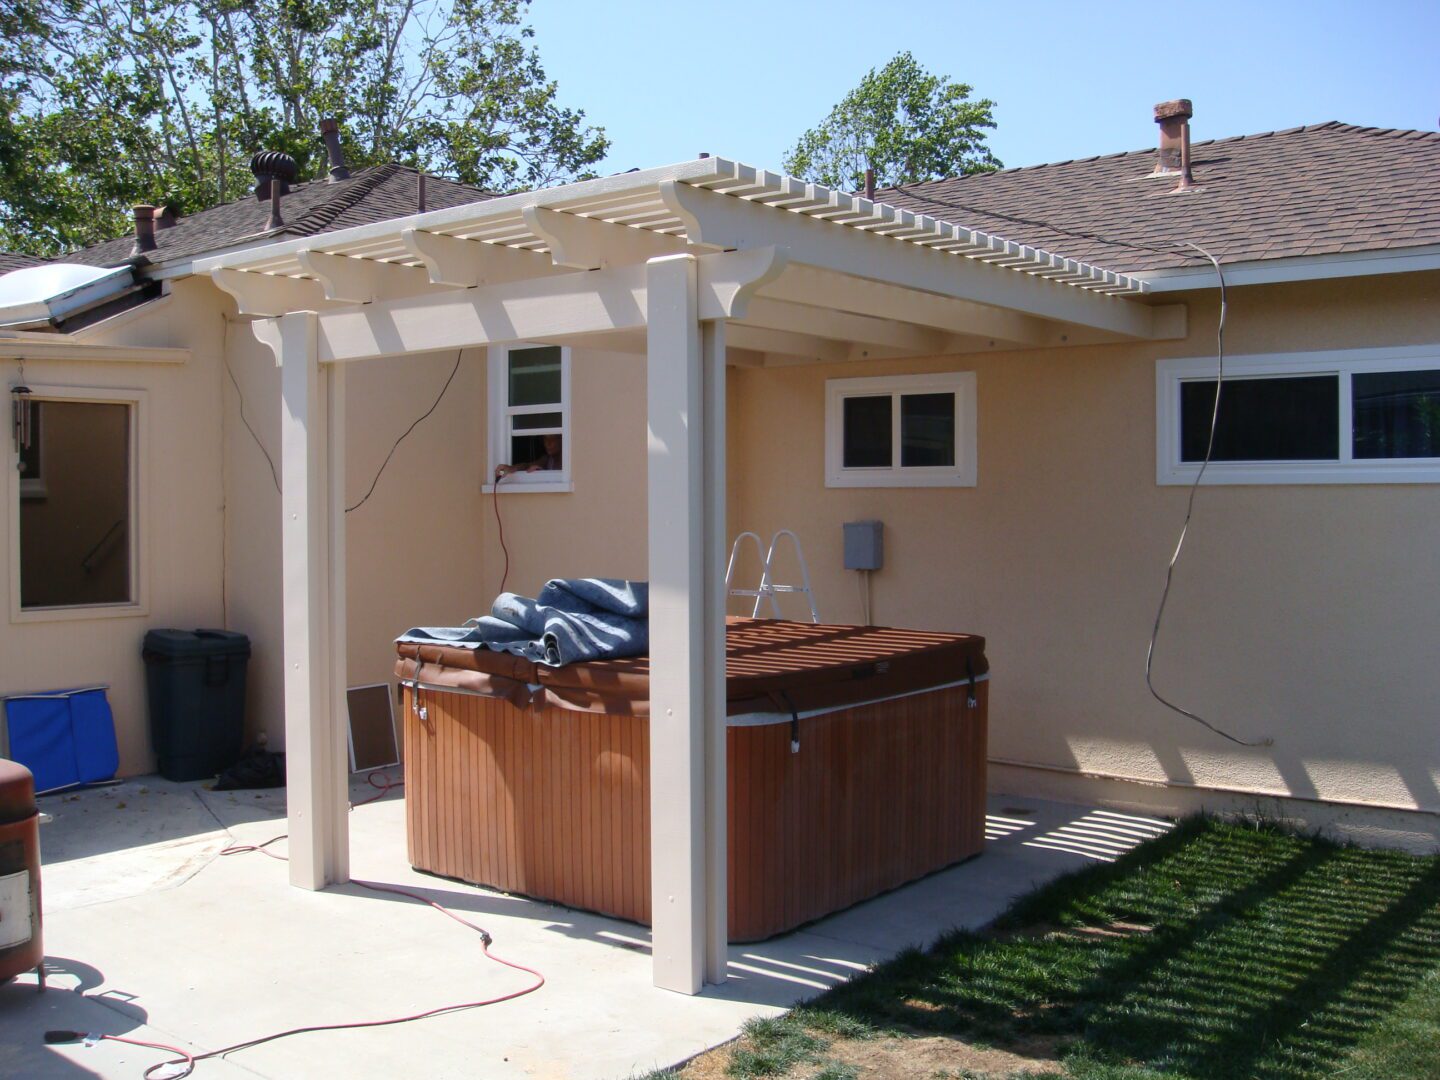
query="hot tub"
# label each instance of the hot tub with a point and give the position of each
(856, 763)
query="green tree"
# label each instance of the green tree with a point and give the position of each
(904, 123)
(113, 102)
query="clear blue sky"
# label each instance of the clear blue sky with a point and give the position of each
(743, 79)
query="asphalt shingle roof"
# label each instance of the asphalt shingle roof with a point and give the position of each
(374, 194)
(1313, 190)
(10, 260)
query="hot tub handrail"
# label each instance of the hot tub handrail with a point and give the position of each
(768, 587)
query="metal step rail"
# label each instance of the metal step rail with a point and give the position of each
(768, 587)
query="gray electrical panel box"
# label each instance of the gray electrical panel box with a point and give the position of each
(864, 545)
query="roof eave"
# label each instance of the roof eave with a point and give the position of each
(1342, 264)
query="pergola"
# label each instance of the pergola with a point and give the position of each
(698, 265)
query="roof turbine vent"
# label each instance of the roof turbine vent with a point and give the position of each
(270, 166)
(273, 172)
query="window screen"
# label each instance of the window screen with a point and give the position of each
(867, 432)
(1263, 419)
(75, 527)
(1396, 414)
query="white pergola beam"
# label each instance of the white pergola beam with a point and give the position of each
(262, 294)
(830, 291)
(786, 343)
(590, 244)
(312, 468)
(685, 387)
(843, 326)
(716, 221)
(344, 280)
(560, 306)
(361, 281)
(465, 264)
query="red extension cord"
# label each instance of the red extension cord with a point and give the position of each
(183, 1063)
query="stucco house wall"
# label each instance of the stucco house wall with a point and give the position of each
(1305, 614)
(1300, 613)
(180, 531)
(414, 549)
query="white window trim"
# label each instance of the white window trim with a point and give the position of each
(1169, 374)
(139, 604)
(498, 427)
(962, 474)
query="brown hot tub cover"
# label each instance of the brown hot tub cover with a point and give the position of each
(771, 666)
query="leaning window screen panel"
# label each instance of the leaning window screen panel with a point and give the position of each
(901, 431)
(76, 528)
(1396, 414)
(1269, 419)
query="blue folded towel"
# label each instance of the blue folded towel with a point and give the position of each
(572, 619)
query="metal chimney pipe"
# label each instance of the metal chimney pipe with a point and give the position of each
(144, 229)
(1174, 120)
(870, 184)
(330, 132)
(276, 221)
(420, 193)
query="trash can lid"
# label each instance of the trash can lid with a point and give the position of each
(17, 792)
(167, 642)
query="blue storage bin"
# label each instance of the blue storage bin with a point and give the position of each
(65, 738)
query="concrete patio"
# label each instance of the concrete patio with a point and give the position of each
(150, 934)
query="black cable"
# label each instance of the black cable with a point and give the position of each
(274, 476)
(423, 417)
(1189, 512)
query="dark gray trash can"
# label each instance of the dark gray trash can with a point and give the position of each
(196, 685)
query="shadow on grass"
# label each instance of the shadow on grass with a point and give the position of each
(1217, 951)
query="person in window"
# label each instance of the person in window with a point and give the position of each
(548, 461)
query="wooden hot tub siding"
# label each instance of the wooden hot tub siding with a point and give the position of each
(555, 804)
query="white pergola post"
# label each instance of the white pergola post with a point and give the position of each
(312, 472)
(686, 403)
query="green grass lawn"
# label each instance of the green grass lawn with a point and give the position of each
(1217, 951)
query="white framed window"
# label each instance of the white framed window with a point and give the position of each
(77, 542)
(901, 431)
(529, 430)
(1352, 416)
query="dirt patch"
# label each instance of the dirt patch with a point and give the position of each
(927, 1056)
(1115, 928)
(710, 1065)
(917, 1058)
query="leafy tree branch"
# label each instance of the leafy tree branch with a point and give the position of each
(903, 122)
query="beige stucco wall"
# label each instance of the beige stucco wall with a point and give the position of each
(1302, 613)
(180, 532)
(599, 529)
(1307, 614)
(413, 550)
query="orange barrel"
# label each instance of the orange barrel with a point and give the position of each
(20, 945)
